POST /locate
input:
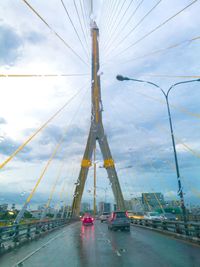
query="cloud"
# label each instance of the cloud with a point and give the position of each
(8, 146)
(135, 115)
(10, 43)
(2, 121)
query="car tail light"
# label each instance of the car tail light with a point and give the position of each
(113, 216)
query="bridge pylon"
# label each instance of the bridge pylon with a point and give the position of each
(96, 134)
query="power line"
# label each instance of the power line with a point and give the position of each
(135, 27)
(84, 15)
(156, 28)
(55, 33)
(38, 130)
(86, 52)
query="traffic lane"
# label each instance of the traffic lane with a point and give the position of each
(148, 248)
(74, 246)
(81, 246)
(36, 247)
(77, 246)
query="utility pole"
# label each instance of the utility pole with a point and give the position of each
(96, 133)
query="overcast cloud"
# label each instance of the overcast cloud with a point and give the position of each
(135, 115)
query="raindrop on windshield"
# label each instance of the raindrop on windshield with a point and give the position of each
(22, 193)
(2, 138)
(99, 72)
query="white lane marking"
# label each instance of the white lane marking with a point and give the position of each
(20, 263)
(110, 243)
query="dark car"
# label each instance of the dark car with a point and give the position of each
(168, 216)
(87, 219)
(119, 220)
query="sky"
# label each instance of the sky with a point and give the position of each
(135, 115)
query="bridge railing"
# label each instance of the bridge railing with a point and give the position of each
(189, 229)
(12, 236)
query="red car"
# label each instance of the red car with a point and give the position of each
(87, 219)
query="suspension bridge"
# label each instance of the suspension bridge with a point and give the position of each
(104, 135)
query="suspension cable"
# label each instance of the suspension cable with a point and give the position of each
(41, 75)
(112, 14)
(119, 22)
(186, 146)
(63, 163)
(80, 22)
(55, 33)
(180, 109)
(196, 38)
(133, 13)
(39, 129)
(156, 28)
(53, 154)
(85, 21)
(166, 48)
(113, 24)
(135, 27)
(77, 34)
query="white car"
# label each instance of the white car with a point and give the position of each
(104, 216)
(152, 216)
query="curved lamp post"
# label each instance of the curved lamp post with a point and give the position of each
(166, 95)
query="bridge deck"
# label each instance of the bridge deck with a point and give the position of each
(95, 246)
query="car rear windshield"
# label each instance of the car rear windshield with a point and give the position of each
(105, 213)
(120, 214)
(154, 214)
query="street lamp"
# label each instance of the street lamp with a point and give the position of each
(166, 95)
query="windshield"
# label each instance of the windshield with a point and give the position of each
(99, 133)
(154, 214)
(120, 214)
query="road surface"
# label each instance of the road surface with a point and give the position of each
(95, 246)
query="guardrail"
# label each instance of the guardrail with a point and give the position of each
(15, 235)
(180, 228)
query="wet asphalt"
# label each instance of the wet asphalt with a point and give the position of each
(95, 246)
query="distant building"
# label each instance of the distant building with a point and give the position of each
(173, 203)
(3, 207)
(36, 214)
(41, 207)
(13, 207)
(153, 201)
(104, 207)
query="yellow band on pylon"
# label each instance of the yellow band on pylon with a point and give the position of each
(86, 163)
(109, 163)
